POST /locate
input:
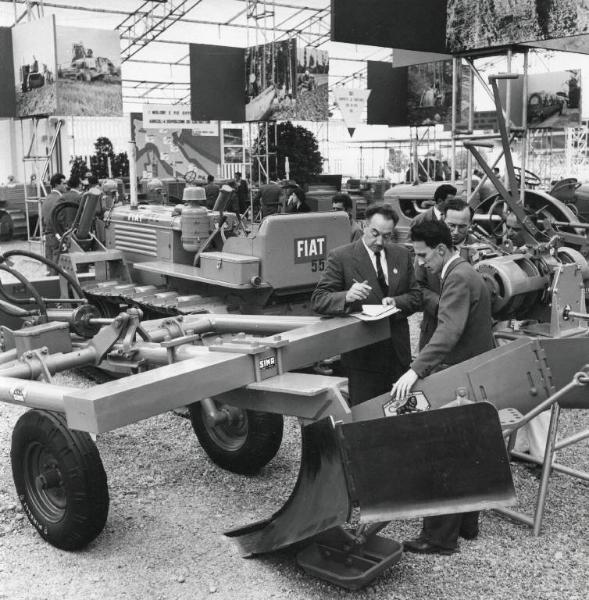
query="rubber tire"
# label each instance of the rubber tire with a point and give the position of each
(77, 513)
(260, 444)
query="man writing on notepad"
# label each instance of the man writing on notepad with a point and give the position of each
(372, 270)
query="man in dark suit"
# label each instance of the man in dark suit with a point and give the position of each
(372, 271)
(211, 191)
(242, 192)
(443, 192)
(58, 188)
(342, 201)
(268, 198)
(457, 215)
(464, 330)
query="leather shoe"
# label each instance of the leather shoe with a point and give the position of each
(421, 546)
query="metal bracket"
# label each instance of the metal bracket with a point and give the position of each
(267, 355)
(39, 356)
(171, 345)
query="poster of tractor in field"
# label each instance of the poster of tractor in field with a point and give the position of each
(88, 72)
(33, 48)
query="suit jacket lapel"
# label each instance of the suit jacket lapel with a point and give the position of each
(364, 269)
(451, 267)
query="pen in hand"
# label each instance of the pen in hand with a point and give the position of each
(365, 282)
(358, 292)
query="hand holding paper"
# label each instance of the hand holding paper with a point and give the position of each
(374, 312)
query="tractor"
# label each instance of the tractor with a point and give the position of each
(86, 67)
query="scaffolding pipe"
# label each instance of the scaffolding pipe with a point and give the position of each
(133, 174)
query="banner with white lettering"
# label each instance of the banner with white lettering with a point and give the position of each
(176, 116)
(351, 102)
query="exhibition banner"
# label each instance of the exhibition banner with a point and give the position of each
(387, 103)
(477, 24)
(174, 116)
(88, 72)
(409, 24)
(286, 82)
(553, 99)
(429, 93)
(216, 83)
(34, 59)
(458, 26)
(174, 152)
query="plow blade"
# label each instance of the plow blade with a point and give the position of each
(318, 502)
(421, 464)
(427, 463)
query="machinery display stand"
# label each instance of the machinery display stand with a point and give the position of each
(513, 421)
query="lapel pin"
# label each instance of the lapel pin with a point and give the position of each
(395, 270)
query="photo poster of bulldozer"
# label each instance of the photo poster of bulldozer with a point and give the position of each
(174, 152)
(66, 71)
(554, 99)
(88, 72)
(33, 50)
(479, 24)
(284, 81)
(429, 94)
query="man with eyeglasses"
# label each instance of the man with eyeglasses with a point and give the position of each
(457, 215)
(343, 202)
(463, 330)
(372, 270)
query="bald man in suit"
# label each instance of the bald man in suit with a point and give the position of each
(372, 270)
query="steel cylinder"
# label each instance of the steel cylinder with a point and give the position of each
(513, 280)
(194, 222)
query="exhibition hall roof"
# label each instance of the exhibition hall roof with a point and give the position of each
(155, 36)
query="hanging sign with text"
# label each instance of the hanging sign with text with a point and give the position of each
(351, 102)
(176, 116)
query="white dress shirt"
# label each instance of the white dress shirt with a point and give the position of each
(383, 261)
(454, 257)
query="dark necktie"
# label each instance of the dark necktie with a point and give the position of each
(380, 275)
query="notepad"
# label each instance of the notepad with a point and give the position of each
(374, 312)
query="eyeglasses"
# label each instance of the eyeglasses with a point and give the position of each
(385, 236)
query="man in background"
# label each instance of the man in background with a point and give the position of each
(95, 191)
(457, 215)
(442, 193)
(73, 196)
(296, 202)
(242, 193)
(211, 191)
(341, 201)
(58, 188)
(268, 198)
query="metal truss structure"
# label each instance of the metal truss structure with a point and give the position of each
(155, 35)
